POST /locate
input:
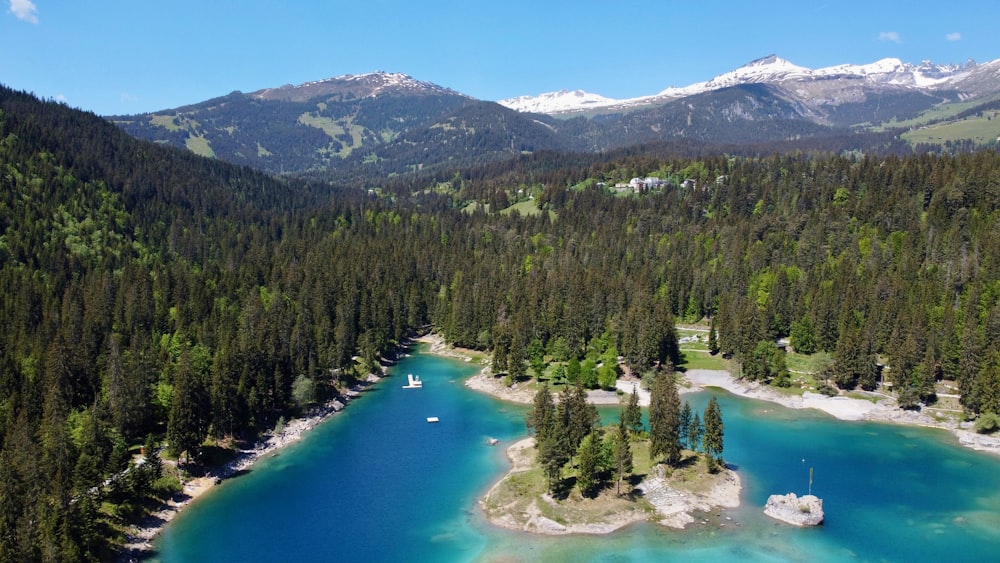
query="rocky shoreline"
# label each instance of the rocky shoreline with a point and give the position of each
(139, 541)
(843, 408)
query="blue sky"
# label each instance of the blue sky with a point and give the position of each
(132, 56)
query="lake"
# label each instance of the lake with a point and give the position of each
(379, 483)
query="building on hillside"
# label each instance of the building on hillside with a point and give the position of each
(647, 183)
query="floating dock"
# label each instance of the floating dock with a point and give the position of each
(413, 382)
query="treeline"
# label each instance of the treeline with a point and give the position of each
(879, 261)
(152, 295)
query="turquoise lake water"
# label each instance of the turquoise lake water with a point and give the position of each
(379, 483)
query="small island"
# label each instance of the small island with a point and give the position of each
(797, 511)
(521, 502)
(576, 477)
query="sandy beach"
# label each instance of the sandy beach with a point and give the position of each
(843, 408)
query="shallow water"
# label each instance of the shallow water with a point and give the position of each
(379, 483)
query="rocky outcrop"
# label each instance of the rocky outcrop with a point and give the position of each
(805, 511)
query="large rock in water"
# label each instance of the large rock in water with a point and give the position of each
(805, 511)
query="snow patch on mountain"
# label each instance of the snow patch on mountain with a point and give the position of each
(767, 70)
(368, 85)
(556, 102)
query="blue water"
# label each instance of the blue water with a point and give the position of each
(379, 483)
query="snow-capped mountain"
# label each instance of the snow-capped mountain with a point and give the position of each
(554, 102)
(401, 124)
(773, 70)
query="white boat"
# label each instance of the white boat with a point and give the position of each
(413, 382)
(432, 419)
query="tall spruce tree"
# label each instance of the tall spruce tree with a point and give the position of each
(694, 432)
(542, 415)
(713, 434)
(683, 422)
(622, 454)
(664, 418)
(588, 469)
(632, 413)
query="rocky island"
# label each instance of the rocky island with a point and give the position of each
(804, 511)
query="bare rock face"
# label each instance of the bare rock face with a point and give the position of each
(805, 511)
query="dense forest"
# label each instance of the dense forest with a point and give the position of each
(155, 297)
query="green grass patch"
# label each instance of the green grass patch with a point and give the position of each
(199, 145)
(865, 396)
(526, 207)
(324, 124)
(937, 113)
(980, 130)
(165, 121)
(704, 360)
(812, 363)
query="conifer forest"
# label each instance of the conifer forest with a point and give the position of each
(153, 297)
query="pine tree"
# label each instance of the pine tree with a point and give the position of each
(573, 370)
(542, 415)
(694, 431)
(588, 470)
(632, 413)
(664, 417)
(622, 454)
(713, 434)
(575, 416)
(186, 426)
(713, 337)
(554, 452)
(683, 423)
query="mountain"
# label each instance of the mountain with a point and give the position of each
(886, 74)
(353, 127)
(352, 86)
(304, 127)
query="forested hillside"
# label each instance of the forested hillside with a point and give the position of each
(151, 295)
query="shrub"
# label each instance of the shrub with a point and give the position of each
(987, 423)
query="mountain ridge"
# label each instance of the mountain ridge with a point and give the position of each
(772, 69)
(386, 123)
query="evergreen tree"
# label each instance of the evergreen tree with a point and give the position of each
(713, 433)
(576, 418)
(803, 336)
(988, 389)
(573, 371)
(554, 452)
(632, 414)
(683, 423)
(694, 431)
(588, 374)
(622, 454)
(664, 417)
(542, 415)
(855, 359)
(588, 468)
(713, 337)
(186, 427)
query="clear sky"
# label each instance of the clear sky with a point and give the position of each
(133, 56)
